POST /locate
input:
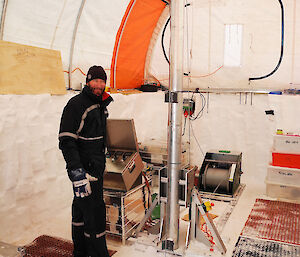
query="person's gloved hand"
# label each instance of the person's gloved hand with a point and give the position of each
(81, 182)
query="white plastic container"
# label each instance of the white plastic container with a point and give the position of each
(283, 175)
(286, 144)
(282, 191)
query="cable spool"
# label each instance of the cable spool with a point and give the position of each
(220, 172)
(216, 179)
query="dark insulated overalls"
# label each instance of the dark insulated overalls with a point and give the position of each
(81, 139)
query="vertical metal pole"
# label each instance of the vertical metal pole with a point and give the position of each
(193, 217)
(3, 15)
(162, 219)
(175, 120)
(123, 220)
(73, 42)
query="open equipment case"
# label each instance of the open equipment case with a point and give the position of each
(124, 192)
(123, 161)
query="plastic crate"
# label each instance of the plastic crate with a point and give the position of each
(283, 175)
(286, 160)
(280, 190)
(286, 144)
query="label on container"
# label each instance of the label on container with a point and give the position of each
(285, 174)
(291, 142)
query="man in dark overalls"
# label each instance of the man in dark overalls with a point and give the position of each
(82, 141)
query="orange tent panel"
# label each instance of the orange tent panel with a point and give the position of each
(132, 42)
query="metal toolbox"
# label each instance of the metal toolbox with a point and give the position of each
(123, 161)
(156, 153)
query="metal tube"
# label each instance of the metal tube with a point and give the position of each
(73, 42)
(225, 90)
(123, 220)
(232, 90)
(3, 15)
(175, 120)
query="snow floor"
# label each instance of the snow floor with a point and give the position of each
(146, 245)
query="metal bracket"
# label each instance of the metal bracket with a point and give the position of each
(168, 245)
(171, 97)
(194, 232)
(146, 217)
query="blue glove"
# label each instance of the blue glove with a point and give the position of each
(81, 182)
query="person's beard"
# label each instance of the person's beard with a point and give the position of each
(97, 92)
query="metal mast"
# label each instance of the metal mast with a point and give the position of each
(175, 120)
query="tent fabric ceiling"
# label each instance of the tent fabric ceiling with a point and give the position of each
(132, 42)
(50, 24)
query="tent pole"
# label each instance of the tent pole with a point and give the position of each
(175, 120)
(73, 42)
(3, 18)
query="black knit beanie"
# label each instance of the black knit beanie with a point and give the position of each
(96, 72)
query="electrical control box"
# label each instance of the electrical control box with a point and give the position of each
(188, 106)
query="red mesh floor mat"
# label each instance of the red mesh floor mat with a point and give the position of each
(47, 246)
(274, 220)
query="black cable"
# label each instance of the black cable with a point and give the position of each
(163, 36)
(200, 113)
(165, 2)
(281, 52)
(162, 40)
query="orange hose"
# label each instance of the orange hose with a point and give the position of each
(206, 75)
(75, 70)
(79, 70)
(201, 76)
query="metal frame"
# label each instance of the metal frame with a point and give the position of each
(232, 199)
(185, 184)
(147, 216)
(194, 232)
(124, 217)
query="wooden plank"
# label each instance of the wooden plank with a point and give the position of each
(30, 70)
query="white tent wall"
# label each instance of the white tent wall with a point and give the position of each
(97, 29)
(35, 193)
(261, 42)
